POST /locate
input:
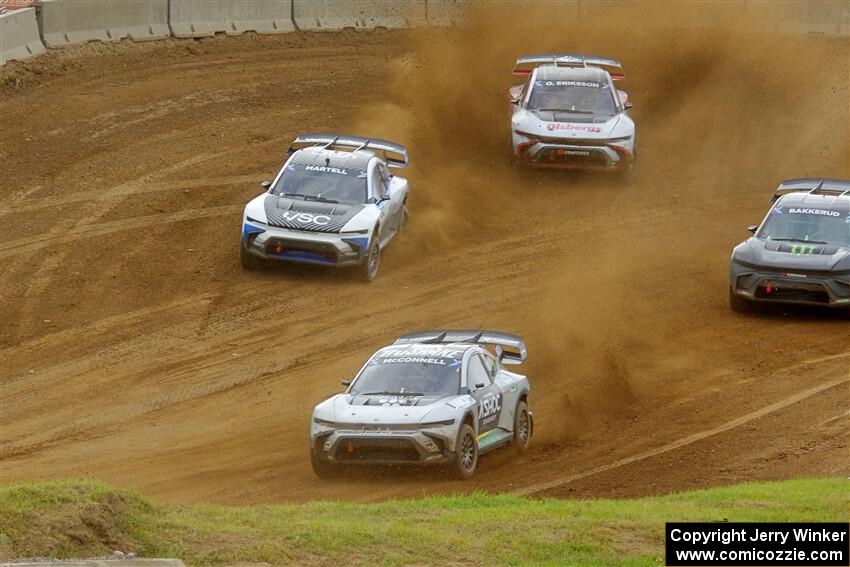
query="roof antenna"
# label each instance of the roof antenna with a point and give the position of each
(327, 162)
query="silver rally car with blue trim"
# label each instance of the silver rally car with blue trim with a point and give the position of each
(333, 203)
(430, 398)
(801, 251)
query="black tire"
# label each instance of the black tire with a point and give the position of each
(322, 468)
(466, 455)
(627, 174)
(739, 304)
(249, 261)
(522, 428)
(372, 262)
(405, 218)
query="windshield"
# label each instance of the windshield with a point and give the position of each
(819, 226)
(322, 183)
(576, 97)
(400, 372)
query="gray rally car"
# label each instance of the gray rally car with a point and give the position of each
(333, 203)
(801, 251)
(430, 398)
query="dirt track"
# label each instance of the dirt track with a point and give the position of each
(137, 351)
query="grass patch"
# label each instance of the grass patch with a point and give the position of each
(85, 518)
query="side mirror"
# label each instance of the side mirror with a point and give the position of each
(346, 383)
(753, 228)
(628, 105)
(266, 184)
(514, 101)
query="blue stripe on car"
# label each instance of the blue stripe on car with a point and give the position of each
(305, 257)
(248, 230)
(360, 242)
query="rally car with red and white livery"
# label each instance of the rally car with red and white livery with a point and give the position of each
(568, 114)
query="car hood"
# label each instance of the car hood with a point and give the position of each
(359, 409)
(791, 255)
(308, 215)
(559, 125)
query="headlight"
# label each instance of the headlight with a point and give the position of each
(323, 421)
(350, 232)
(437, 423)
(249, 219)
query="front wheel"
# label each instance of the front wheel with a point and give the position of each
(369, 268)
(322, 468)
(466, 457)
(249, 261)
(627, 174)
(737, 303)
(522, 428)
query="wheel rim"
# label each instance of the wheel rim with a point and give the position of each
(522, 428)
(374, 261)
(467, 452)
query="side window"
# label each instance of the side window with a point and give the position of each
(491, 365)
(524, 92)
(384, 177)
(377, 184)
(476, 373)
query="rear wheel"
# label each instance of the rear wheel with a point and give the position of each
(522, 428)
(738, 303)
(249, 261)
(369, 268)
(466, 457)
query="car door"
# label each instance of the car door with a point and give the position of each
(487, 395)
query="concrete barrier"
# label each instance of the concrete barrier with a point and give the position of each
(202, 18)
(318, 15)
(447, 12)
(19, 37)
(65, 22)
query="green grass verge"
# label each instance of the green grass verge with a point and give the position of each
(85, 518)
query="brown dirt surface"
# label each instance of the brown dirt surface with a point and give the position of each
(135, 349)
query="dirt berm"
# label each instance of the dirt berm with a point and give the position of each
(136, 350)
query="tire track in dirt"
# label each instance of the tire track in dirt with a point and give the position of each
(140, 188)
(690, 439)
(176, 372)
(79, 232)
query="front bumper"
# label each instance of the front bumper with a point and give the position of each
(791, 286)
(282, 244)
(564, 155)
(407, 447)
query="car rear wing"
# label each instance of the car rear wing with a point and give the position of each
(527, 63)
(394, 154)
(516, 352)
(815, 186)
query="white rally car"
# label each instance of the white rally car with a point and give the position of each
(568, 114)
(431, 398)
(334, 203)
